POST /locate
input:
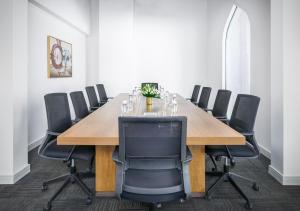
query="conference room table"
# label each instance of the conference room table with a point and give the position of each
(100, 128)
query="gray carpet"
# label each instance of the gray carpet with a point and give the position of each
(27, 195)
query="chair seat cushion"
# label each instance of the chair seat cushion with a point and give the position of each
(236, 151)
(153, 198)
(55, 151)
(153, 178)
(84, 152)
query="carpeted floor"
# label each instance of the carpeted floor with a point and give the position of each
(27, 194)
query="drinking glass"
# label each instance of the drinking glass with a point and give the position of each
(130, 105)
(174, 98)
(167, 96)
(174, 106)
(124, 107)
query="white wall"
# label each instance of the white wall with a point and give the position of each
(291, 99)
(237, 64)
(259, 14)
(161, 41)
(92, 74)
(13, 91)
(277, 85)
(75, 12)
(285, 95)
(42, 24)
(20, 85)
(116, 67)
(6, 106)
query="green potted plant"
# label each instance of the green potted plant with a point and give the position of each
(150, 92)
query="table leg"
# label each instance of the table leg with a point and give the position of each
(197, 171)
(105, 170)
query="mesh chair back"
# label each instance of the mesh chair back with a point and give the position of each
(58, 112)
(244, 113)
(221, 103)
(91, 93)
(152, 138)
(102, 93)
(79, 104)
(204, 97)
(58, 116)
(152, 84)
(195, 94)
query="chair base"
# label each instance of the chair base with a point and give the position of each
(158, 205)
(228, 176)
(72, 177)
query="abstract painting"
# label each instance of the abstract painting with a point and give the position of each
(59, 58)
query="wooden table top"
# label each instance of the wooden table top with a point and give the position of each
(101, 127)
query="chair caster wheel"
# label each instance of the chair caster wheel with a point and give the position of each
(207, 197)
(44, 187)
(248, 206)
(47, 207)
(255, 187)
(88, 201)
(158, 205)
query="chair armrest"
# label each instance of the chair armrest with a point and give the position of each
(75, 121)
(119, 173)
(71, 153)
(189, 155)
(186, 174)
(225, 120)
(57, 134)
(247, 133)
(222, 117)
(94, 108)
(102, 103)
(232, 161)
(115, 156)
(52, 133)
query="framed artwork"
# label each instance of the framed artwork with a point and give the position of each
(59, 58)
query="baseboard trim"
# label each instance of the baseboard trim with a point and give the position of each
(265, 151)
(276, 174)
(12, 179)
(35, 144)
(284, 180)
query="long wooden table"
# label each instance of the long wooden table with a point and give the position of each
(101, 129)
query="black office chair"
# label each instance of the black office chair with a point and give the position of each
(195, 95)
(79, 104)
(242, 120)
(102, 94)
(221, 104)
(93, 100)
(204, 97)
(59, 120)
(152, 160)
(152, 84)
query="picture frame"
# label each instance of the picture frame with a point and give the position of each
(59, 58)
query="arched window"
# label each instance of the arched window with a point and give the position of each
(236, 53)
